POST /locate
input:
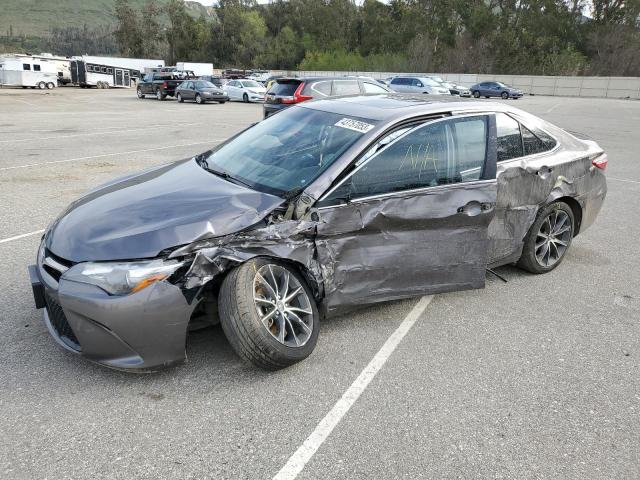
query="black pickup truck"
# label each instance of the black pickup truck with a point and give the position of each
(160, 84)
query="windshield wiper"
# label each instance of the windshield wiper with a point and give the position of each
(222, 174)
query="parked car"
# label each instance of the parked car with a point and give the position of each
(417, 85)
(456, 89)
(217, 81)
(233, 73)
(158, 84)
(495, 89)
(327, 206)
(285, 92)
(200, 91)
(245, 90)
(260, 76)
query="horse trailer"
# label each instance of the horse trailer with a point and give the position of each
(27, 71)
(105, 72)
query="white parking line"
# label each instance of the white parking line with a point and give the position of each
(91, 157)
(301, 457)
(100, 132)
(18, 237)
(622, 180)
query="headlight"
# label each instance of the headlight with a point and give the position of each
(122, 278)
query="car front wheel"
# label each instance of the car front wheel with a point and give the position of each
(245, 98)
(139, 92)
(504, 95)
(548, 239)
(199, 99)
(268, 314)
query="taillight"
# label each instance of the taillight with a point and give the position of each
(600, 161)
(165, 85)
(297, 96)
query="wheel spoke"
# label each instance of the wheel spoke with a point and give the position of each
(299, 321)
(293, 333)
(264, 300)
(293, 295)
(266, 284)
(564, 229)
(559, 242)
(559, 224)
(275, 283)
(268, 316)
(301, 310)
(285, 284)
(283, 329)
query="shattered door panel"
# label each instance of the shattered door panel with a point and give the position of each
(429, 241)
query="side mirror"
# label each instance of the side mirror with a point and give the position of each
(419, 84)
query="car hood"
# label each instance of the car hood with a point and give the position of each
(140, 215)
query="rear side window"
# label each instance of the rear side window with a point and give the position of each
(373, 88)
(532, 144)
(322, 89)
(26, 66)
(440, 153)
(284, 88)
(36, 68)
(345, 87)
(509, 142)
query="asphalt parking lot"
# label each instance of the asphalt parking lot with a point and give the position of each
(535, 378)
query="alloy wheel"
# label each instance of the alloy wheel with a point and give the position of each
(283, 305)
(553, 238)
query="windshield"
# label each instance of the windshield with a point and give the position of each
(288, 150)
(430, 82)
(250, 84)
(500, 84)
(202, 84)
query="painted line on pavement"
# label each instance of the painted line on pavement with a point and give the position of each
(18, 237)
(301, 457)
(91, 157)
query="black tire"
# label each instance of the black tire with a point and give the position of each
(245, 98)
(42, 85)
(487, 96)
(179, 98)
(159, 95)
(528, 260)
(476, 94)
(505, 95)
(222, 102)
(242, 325)
(139, 92)
(199, 99)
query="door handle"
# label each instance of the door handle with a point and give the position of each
(544, 171)
(474, 208)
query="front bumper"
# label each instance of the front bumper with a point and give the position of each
(216, 97)
(144, 331)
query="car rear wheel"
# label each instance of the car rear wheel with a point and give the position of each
(139, 92)
(476, 94)
(268, 314)
(504, 95)
(179, 97)
(548, 239)
(159, 95)
(245, 98)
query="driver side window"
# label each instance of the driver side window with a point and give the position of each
(437, 153)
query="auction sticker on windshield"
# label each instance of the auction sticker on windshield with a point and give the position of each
(355, 125)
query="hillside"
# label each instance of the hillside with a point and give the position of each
(35, 18)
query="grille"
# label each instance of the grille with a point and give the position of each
(60, 324)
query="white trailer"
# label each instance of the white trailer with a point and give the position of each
(199, 69)
(105, 72)
(27, 71)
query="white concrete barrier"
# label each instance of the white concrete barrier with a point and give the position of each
(609, 87)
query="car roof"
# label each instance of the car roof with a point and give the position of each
(397, 105)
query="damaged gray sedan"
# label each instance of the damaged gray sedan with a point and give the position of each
(324, 207)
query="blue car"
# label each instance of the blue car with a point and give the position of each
(495, 89)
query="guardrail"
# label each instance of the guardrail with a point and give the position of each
(605, 87)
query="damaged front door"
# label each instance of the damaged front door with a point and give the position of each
(412, 217)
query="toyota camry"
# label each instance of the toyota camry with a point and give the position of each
(324, 207)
